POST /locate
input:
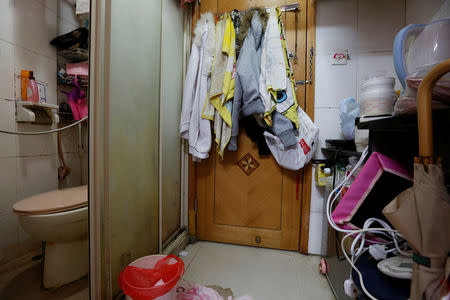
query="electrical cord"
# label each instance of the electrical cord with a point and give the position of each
(358, 246)
(353, 261)
(335, 194)
(44, 132)
(330, 201)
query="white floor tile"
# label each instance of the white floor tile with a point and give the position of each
(263, 274)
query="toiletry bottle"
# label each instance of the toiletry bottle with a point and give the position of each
(24, 75)
(32, 89)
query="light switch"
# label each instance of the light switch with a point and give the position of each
(339, 57)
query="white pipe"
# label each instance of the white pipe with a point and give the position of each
(44, 132)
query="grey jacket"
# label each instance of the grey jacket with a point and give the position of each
(247, 100)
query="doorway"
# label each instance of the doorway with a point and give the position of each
(245, 198)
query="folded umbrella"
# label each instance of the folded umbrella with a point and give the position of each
(422, 213)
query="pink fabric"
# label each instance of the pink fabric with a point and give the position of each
(361, 187)
(77, 101)
(81, 68)
(190, 291)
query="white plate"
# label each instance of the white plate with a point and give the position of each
(397, 267)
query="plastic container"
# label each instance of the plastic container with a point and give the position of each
(377, 102)
(150, 262)
(32, 89)
(24, 75)
(378, 84)
(420, 45)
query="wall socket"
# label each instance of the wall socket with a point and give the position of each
(339, 57)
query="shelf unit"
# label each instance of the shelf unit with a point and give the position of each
(26, 111)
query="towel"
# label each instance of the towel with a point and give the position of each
(224, 68)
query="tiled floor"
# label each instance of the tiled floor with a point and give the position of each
(25, 283)
(263, 274)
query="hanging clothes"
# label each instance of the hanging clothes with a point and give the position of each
(296, 156)
(277, 91)
(224, 64)
(253, 95)
(193, 127)
(248, 66)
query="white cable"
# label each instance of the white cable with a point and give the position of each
(331, 202)
(351, 261)
(335, 193)
(44, 132)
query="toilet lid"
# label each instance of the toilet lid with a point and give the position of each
(53, 201)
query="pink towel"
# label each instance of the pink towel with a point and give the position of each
(190, 291)
(77, 100)
(81, 68)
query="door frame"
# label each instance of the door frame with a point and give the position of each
(309, 109)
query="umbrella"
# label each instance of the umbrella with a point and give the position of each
(422, 213)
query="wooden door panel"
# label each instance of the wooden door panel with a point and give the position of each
(239, 197)
(260, 209)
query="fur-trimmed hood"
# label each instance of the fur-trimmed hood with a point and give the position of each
(206, 25)
(205, 19)
(247, 21)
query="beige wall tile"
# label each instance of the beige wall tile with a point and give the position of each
(66, 11)
(419, 11)
(8, 181)
(9, 238)
(34, 145)
(6, 70)
(336, 24)
(36, 175)
(34, 27)
(44, 70)
(378, 23)
(74, 161)
(27, 243)
(8, 142)
(6, 20)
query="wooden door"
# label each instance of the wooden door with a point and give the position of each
(246, 198)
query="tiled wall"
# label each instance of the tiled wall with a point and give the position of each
(28, 164)
(367, 29)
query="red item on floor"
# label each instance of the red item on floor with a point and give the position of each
(151, 283)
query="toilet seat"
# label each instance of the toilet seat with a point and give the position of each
(53, 201)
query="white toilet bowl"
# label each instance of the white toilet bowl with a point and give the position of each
(60, 218)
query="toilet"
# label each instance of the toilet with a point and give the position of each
(60, 219)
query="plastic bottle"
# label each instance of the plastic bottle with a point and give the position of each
(25, 75)
(32, 89)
